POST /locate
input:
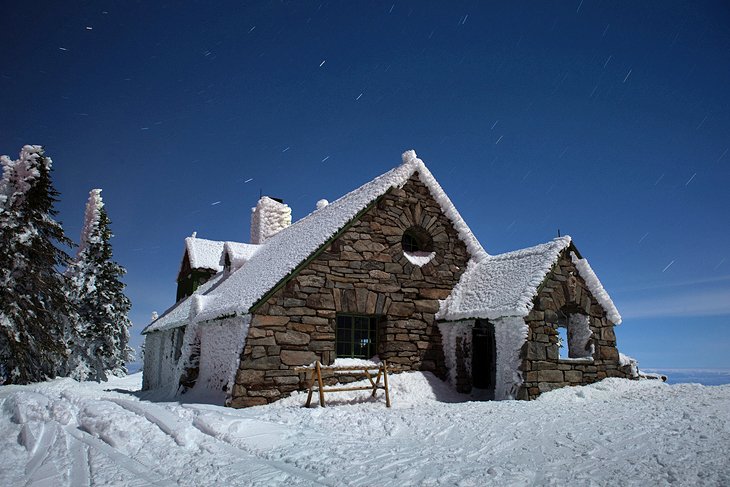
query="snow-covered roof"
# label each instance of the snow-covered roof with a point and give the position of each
(505, 284)
(179, 313)
(204, 254)
(238, 253)
(283, 252)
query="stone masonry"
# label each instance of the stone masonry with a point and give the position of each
(362, 271)
(564, 292)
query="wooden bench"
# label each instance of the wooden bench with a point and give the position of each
(315, 381)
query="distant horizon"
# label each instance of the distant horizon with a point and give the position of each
(704, 376)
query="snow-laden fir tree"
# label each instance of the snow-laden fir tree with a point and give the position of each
(34, 307)
(100, 341)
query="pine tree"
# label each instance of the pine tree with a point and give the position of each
(34, 308)
(99, 342)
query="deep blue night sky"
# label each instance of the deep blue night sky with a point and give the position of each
(609, 121)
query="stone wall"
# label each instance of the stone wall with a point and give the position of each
(363, 271)
(564, 292)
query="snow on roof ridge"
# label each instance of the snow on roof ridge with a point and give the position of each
(499, 286)
(204, 253)
(487, 289)
(562, 242)
(596, 288)
(238, 252)
(552, 251)
(287, 249)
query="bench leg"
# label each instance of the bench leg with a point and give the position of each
(321, 385)
(311, 390)
(377, 381)
(385, 381)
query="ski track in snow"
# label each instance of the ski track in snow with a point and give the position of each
(614, 432)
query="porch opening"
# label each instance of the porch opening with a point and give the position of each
(484, 357)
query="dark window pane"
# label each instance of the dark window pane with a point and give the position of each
(356, 336)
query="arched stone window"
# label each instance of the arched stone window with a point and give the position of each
(416, 239)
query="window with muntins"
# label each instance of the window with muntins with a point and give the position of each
(416, 239)
(357, 336)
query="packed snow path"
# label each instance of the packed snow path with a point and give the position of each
(614, 432)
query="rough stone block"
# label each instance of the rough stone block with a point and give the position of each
(574, 376)
(321, 301)
(258, 352)
(543, 365)
(427, 305)
(321, 345)
(434, 293)
(238, 390)
(304, 328)
(536, 351)
(609, 353)
(297, 357)
(552, 352)
(253, 342)
(268, 320)
(549, 386)
(314, 320)
(608, 334)
(368, 245)
(262, 363)
(550, 376)
(268, 393)
(301, 311)
(385, 288)
(246, 401)
(541, 337)
(257, 333)
(401, 309)
(400, 347)
(288, 379)
(378, 274)
(249, 377)
(311, 281)
(292, 337)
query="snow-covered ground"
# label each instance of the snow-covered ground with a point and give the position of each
(613, 432)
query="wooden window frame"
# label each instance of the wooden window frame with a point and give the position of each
(342, 321)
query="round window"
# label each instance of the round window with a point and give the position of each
(417, 239)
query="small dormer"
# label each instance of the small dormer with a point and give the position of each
(189, 279)
(199, 264)
(236, 254)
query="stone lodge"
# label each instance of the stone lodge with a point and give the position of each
(388, 270)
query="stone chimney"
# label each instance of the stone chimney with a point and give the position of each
(269, 217)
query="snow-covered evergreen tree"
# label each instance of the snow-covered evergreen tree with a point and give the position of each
(34, 307)
(100, 341)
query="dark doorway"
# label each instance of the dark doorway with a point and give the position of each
(484, 357)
